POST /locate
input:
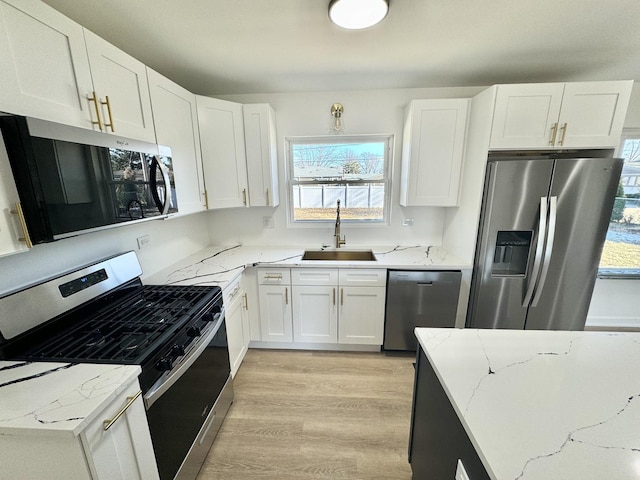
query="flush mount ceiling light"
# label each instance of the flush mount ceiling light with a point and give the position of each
(357, 14)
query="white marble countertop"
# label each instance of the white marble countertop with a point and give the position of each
(219, 265)
(51, 398)
(541, 405)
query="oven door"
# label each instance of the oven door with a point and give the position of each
(186, 411)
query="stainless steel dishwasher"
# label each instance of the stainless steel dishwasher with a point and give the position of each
(418, 299)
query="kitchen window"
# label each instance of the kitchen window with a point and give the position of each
(621, 252)
(352, 169)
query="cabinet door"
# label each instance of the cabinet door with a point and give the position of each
(315, 314)
(176, 122)
(44, 70)
(11, 230)
(124, 452)
(262, 155)
(223, 152)
(275, 313)
(122, 79)
(526, 116)
(432, 150)
(593, 114)
(361, 319)
(235, 328)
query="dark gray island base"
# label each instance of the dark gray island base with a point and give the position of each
(437, 439)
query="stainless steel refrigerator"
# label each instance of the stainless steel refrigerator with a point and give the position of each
(543, 223)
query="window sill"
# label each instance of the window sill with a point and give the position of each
(619, 274)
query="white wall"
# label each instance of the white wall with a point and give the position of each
(171, 240)
(307, 114)
(616, 302)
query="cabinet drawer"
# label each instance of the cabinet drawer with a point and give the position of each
(274, 276)
(363, 277)
(315, 276)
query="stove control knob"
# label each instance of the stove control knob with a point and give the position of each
(194, 331)
(208, 317)
(164, 364)
(177, 350)
(216, 309)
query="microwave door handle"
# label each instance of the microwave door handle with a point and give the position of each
(553, 217)
(535, 271)
(161, 204)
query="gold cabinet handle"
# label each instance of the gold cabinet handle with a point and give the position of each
(564, 133)
(245, 302)
(273, 276)
(108, 104)
(342, 297)
(108, 423)
(244, 196)
(334, 296)
(286, 296)
(554, 131)
(235, 291)
(93, 98)
(268, 200)
(206, 200)
(23, 224)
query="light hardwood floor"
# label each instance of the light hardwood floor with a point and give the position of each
(316, 415)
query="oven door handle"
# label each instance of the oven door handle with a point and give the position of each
(156, 391)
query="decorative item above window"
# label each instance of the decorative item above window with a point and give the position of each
(357, 14)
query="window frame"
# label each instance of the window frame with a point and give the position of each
(388, 139)
(627, 273)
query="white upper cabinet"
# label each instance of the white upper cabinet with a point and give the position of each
(223, 152)
(176, 122)
(122, 91)
(559, 115)
(262, 154)
(44, 70)
(50, 68)
(432, 151)
(13, 235)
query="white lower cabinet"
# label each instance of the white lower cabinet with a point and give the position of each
(361, 315)
(122, 452)
(274, 290)
(327, 305)
(237, 322)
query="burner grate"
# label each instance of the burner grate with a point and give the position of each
(129, 329)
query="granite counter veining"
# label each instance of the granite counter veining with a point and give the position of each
(219, 265)
(44, 398)
(541, 405)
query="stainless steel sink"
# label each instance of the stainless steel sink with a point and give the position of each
(339, 255)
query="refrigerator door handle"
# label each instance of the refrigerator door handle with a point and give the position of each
(542, 233)
(553, 217)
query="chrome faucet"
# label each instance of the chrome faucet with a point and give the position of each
(337, 229)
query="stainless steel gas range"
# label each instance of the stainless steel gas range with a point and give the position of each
(102, 313)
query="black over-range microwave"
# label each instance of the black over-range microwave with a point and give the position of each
(71, 180)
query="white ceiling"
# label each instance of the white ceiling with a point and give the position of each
(218, 47)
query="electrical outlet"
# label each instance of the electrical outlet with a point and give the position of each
(267, 222)
(461, 473)
(407, 222)
(143, 241)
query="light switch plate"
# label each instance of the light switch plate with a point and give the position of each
(143, 241)
(461, 473)
(407, 222)
(267, 222)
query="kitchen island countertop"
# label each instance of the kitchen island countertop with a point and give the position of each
(220, 265)
(540, 405)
